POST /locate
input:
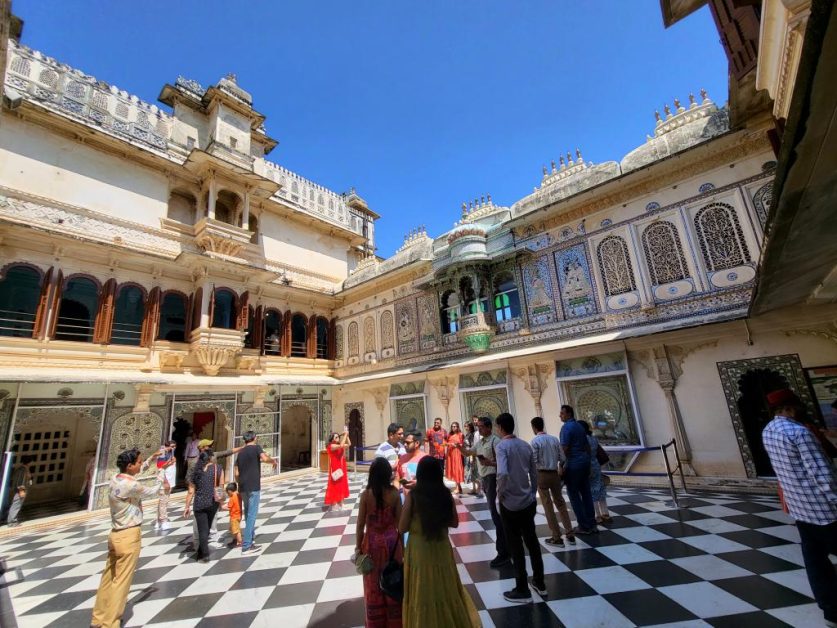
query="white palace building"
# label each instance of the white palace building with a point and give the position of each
(159, 273)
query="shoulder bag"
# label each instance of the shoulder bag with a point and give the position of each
(337, 473)
(391, 581)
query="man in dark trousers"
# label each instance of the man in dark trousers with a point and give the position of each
(248, 464)
(577, 471)
(517, 487)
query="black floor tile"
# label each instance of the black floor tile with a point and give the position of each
(604, 538)
(758, 619)
(338, 614)
(525, 615)
(470, 538)
(566, 585)
(282, 547)
(149, 576)
(482, 572)
(162, 590)
(61, 602)
(231, 565)
(583, 559)
(661, 573)
(225, 621)
(678, 530)
(259, 578)
(293, 594)
(309, 557)
(684, 514)
(751, 507)
(475, 596)
(54, 585)
(341, 569)
(77, 619)
(627, 509)
(758, 562)
(671, 548)
(331, 531)
(754, 538)
(648, 606)
(762, 593)
(752, 521)
(187, 607)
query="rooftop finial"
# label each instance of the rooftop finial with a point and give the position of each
(544, 168)
(657, 117)
(464, 209)
(231, 77)
(489, 198)
(561, 159)
(554, 169)
(677, 103)
(704, 95)
(578, 155)
(667, 110)
(569, 159)
(482, 201)
(692, 102)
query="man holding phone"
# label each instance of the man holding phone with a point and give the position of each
(408, 463)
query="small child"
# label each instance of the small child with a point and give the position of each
(234, 506)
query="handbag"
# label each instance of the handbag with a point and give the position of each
(601, 455)
(391, 581)
(218, 492)
(337, 474)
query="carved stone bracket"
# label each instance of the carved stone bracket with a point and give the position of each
(381, 396)
(535, 378)
(214, 236)
(215, 347)
(444, 387)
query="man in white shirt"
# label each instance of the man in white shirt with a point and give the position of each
(391, 448)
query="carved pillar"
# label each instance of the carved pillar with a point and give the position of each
(212, 196)
(207, 294)
(245, 212)
(535, 378)
(445, 390)
(286, 334)
(666, 372)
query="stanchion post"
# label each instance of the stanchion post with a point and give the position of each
(680, 466)
(669, 474)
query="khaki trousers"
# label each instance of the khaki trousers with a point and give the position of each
(549, 490)
(123, 553)
(163, 505)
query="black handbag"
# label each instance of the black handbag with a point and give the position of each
(391, 581)
(601, 455)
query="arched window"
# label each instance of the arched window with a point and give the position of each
(272, 333)
(762, 200)
(299, 336)
(128, 315)
(615, 266)
(450, 313)
(506, 298)
(182, 207)
(20, 293)
(661, 244)
(173, 312)
(77, 312)
(224, 308)
(354, 341)
(720, 236)
(322, 338)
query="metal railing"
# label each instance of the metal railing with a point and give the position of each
(16, 324)
(78, 329)
(669, 472)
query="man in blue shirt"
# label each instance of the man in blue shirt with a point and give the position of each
(577, 471)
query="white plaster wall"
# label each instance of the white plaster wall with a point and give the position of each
(285, 241)
(39, 162)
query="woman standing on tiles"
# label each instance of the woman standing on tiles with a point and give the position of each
(454, 464)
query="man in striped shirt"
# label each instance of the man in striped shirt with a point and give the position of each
(809, 486)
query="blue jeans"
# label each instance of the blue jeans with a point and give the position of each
(577, 481)
(250, 505)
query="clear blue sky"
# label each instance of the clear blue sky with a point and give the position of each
(420, 105)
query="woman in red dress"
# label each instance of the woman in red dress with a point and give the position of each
(454, 465)
(338, 480)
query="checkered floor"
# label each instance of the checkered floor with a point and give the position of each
(726, 560)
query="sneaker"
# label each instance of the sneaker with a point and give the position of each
(499, 561)
(571, 539)
(156, 525)
(252, 548)
(166, 525)
(217, 545)
(606, 519)
(519, 597)
(555, 540)
(540, 588)
(585, 531)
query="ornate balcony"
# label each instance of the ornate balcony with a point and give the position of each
(475, 332)
(213, 347)
(214, 236)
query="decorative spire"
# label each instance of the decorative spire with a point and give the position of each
(657, 117)
(231, 77)
(569, 159)
(667, 110)
(704, 95)
(554, 169)
(676, 103)
(561, 159)
(489, 198)
(482, 201)
(544, 168)
(464, 210)
(692, 102)
(578, 155)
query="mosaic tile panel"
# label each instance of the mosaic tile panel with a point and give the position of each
(537, 283)
(407, 326)
(578, 293)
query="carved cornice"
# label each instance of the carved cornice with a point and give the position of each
(829, 333)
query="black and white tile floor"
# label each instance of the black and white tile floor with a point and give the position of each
(726, 560)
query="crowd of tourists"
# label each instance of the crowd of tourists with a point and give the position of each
(403, 550)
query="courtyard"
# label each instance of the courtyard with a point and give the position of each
(725, 560)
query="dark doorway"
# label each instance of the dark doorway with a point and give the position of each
(754, 387)
(355, 432)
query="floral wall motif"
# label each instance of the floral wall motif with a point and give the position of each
(405, 317)
(720, 236)
(664, 253)
(762, 200)
(497, 377)
(354, 341)
(387, 330)
(428, 321)
(578, 294)
(615, 266)
(490, 403)
(369, 335)
(537, 282)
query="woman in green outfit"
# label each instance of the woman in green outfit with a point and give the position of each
(433, 593)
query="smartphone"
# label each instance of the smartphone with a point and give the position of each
(345, 428)
(403, 481)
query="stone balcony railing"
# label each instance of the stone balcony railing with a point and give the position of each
(214, 236)
(214, 347)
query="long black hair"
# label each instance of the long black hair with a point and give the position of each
(432, 499)
(380, 477)
(203, 460)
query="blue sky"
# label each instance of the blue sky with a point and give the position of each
(419, 105)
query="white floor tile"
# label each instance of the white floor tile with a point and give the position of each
(611, 579)
(711, 567)
(212, 584)
(650, 518)
(796, 580)
(788, 533)
(628, 554)
(240, 601)
(704, 599)
(640, 534)
(790, 553)
(714, 544)
(346, 588)
(144, 612)
(803, 615)
(589, 612)
(492, 593)
(321, 542)
(476, 553)
(716, 526)
(716, 511)
(466, 527)
(305, 573)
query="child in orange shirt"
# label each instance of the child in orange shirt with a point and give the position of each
(234, 506)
